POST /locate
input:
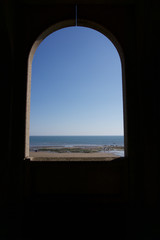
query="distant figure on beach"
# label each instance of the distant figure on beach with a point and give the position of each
(106, 148)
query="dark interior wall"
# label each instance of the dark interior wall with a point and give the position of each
(135, 24)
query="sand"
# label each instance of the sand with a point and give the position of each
(50, 156)
(71, 153)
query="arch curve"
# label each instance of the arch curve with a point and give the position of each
(42, 36)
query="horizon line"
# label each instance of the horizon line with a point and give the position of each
(75, 135)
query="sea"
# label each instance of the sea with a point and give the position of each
(71, 141)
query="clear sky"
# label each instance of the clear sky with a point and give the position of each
(76, 85)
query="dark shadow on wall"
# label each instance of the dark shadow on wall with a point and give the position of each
(33, 206)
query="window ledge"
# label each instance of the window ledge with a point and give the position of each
(73, 159)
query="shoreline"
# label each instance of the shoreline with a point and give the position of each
(106, 151)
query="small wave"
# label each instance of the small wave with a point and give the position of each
(118, 153)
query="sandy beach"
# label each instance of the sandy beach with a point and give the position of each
(74, 153)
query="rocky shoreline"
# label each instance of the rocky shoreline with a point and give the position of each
(77, 149)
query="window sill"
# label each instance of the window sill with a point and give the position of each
(73, 159)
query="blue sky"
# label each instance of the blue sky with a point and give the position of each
(76, 85)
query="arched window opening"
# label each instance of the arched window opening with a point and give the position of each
(76, 106)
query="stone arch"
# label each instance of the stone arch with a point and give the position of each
(48, 31)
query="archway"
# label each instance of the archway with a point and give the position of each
(36, 44)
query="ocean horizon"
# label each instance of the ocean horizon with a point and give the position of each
(69, 141)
